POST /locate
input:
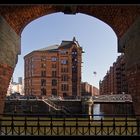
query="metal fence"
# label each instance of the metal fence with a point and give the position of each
(69, 125)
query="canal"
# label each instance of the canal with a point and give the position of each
(112, 108)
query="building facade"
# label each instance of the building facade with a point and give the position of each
(54, 70)
(16, 87)
(88, 90)
(115, 80)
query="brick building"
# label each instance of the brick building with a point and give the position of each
(88, 90)
(115, 81)
(54, 70)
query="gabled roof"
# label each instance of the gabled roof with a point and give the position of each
(53, 47)
(63, 44)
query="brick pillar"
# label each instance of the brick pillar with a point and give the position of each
(130, 45)
(133, 75)
(5, 74)
(87, 106)
(9, 50)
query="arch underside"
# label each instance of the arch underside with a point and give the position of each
(118, 17)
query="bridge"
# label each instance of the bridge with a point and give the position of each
(98, 98)
(122, 98)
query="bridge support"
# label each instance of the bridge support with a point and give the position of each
(87, 106)
(130, 45)
(9, 50)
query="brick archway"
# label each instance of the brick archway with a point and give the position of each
(14, 18)
(119, 17)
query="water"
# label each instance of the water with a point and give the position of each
(104, 109)
(96, 111)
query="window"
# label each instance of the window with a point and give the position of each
(53, 73)
(43, 82)
(74, 59)
(64, 70)
(74, 68)
(32, 59)
(43, 65)
(32, 66)
(54, 92)
(43, 91)
(64, 62)
(54, 59)
(64, 78)
(43, 73)
(64, 87)
(54, 82)
(74, 51)
(43, 58)
(31, 82)
(53, 65)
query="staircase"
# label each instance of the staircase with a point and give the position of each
(56, 107)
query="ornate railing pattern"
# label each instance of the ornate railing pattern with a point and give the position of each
(70, 125)
(113, 98)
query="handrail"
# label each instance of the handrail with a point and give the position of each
(56, 107)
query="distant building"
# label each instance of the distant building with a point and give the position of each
(115, 81)
(20, 80)
(88, 90)
(16, 87)
(54, 70)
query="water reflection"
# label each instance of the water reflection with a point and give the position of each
(112, 108)
(96, 111)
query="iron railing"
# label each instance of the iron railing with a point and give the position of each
(70, 125)
(56, 107)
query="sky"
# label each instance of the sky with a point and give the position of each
(97, 39)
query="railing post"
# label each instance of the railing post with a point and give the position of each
(51, 125)
(76, 125)
(101, 126)
(126, 127)
(138, 126)
(12, 125)
(25, 125)
(114, 125)
(38, 125)
(0, 124)
(64, 125)
(89, 125)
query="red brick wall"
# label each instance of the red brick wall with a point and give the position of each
(18, 16)
(133, 76)
(33, 64)
(5, 76)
